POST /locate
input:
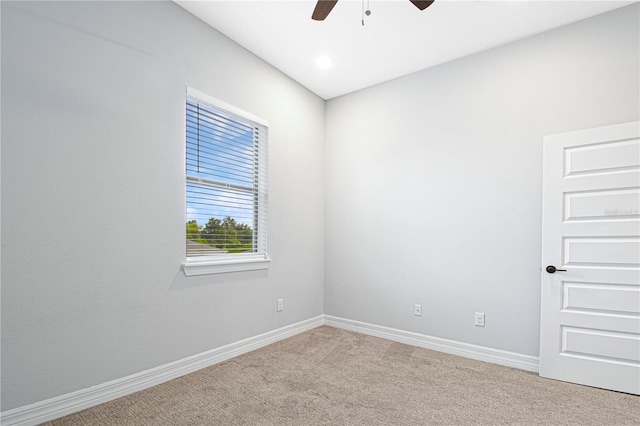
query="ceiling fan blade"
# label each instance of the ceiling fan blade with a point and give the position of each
(323, 7)
(422, 5)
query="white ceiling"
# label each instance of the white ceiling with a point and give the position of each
(397, 38)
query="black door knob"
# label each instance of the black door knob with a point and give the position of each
(552, 269)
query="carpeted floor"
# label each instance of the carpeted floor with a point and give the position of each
(329, 376)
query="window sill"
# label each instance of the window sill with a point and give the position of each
(206, 266)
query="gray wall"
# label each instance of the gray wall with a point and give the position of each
(434, 180)
(93, 216)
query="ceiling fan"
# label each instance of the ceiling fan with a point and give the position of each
(323, 8)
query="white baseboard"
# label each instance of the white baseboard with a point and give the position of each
(481, 353)
(53, 408)
(63, 405)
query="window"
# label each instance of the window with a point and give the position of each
(226, 186)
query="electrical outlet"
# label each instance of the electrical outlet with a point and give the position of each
(417, 310)
(479, 319)
(280, 305)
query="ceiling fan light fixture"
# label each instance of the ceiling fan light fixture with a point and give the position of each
(324, 61)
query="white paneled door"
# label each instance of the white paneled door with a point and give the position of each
(590, 313)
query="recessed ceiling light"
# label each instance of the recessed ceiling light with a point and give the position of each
(324, 61)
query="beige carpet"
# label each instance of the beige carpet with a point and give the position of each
(329, 376)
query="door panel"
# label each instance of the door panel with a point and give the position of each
(601, 298)
(613, 251)
(590, 313)
(601, 158)
(603, 345)
(601, 205)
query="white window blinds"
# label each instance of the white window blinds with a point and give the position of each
(226, 181)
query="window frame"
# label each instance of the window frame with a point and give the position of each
(232, 262)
